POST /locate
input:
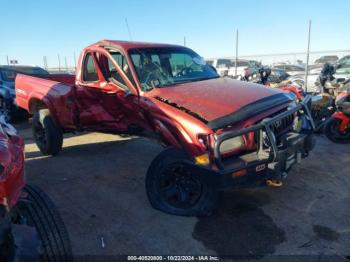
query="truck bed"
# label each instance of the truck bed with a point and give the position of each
(48, 88)
(63, 78)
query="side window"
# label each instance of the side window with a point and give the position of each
(111, 72)
(89, 72)
(123, 64)
(108, 69)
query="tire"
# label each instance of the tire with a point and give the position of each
(331, 130)
(173, 190)
(7, 247)
(47, 135)
(38, 210)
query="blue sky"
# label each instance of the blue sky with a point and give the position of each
(32, 29)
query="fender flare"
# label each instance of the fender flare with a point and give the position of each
(46, 104)
(166, 136)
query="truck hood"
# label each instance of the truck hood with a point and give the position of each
(217, 98)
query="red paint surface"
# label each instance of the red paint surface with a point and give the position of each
(103, 106)
(12, 159)
(345, 120)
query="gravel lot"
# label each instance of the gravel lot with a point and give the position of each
(97, 182)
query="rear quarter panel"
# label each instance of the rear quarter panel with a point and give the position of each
(57, 96)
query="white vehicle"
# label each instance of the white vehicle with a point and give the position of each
(291, 69)
(226, 67)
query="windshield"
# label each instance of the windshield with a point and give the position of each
(166, 66)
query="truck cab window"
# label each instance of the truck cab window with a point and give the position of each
(123, 64)
(109, 71)
(89, 72)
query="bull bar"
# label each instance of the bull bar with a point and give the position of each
(272, 153)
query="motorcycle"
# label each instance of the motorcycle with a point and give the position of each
(328, 83)
(322, 105)
(337, 128)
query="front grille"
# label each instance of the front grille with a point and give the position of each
(278, 128)
(281, 126)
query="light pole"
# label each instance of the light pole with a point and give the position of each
(307, 56)
(236, 53)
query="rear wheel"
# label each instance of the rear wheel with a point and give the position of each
(333, 133)
(37, 210)
(48, 136)
(172, 188)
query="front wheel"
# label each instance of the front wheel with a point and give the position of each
(172, 188)
(333, 133)
(48, 136)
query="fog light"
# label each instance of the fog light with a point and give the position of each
(202, 159)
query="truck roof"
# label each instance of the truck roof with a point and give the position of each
(131, 44)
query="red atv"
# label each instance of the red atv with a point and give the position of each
(30, 227)
(337, 128)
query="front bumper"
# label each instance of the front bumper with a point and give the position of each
(273, 157)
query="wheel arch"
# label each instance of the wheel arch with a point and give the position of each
(173, 135)
(35, 104)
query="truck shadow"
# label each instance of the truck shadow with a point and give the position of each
(239, 227)
(80, 150)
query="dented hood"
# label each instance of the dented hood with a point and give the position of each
(215, 98)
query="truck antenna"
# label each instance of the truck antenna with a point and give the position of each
(127, 26)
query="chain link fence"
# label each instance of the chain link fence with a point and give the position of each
(290, 58)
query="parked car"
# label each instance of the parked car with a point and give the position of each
(326, 59)
(31, 228)
(342, 72)
(218, 132)
(8, 107)
(315, 69)
(290, 69)
(343, 65)
(278, 75)
(227, 67)
(8, 74)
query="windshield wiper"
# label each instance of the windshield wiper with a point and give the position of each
(206, 78)
(198, 79)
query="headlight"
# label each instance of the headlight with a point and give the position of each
(231, 144)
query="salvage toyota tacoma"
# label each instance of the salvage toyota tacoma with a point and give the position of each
(218, 132)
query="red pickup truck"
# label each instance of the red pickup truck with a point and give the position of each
(218, 132)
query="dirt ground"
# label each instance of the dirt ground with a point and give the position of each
(97, 182)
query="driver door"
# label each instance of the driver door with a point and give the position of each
(105, 101)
